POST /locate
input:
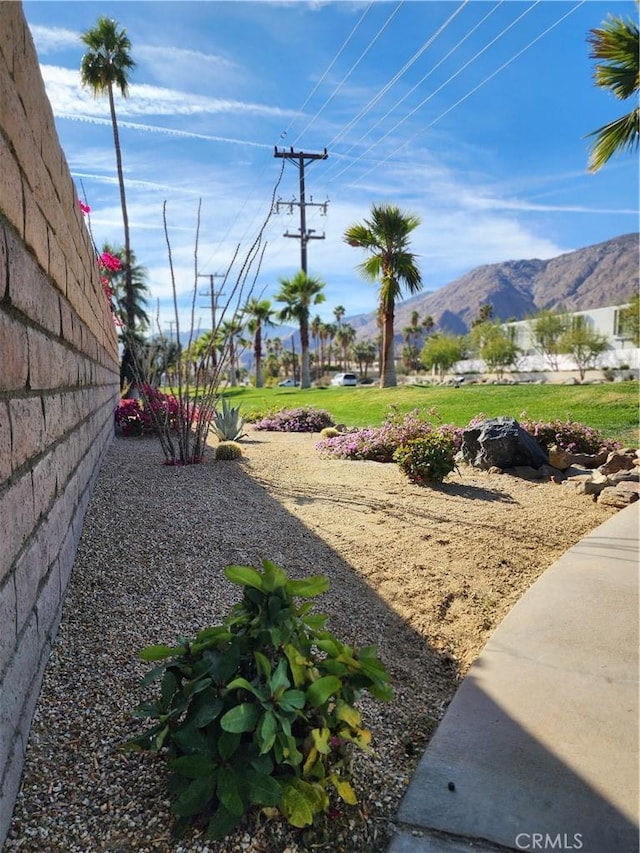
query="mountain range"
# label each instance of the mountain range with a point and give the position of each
(593, 277)
(596, 276)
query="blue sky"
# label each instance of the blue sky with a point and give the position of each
(471, 115)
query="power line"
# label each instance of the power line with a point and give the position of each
(353, 67)
(330, 66)
(479, 85)
(440, 88)
(284, 132)
(398, 74)
(422, 80)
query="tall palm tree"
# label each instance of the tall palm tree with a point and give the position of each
(428, 324)
(330, 330)
(385, 235)
(228, 334)
(203, 349)
(259, 313)
(617, 43)
(105, 66)
(338, 313)
(323, 334)
(315, 326)
(485, 314)
(299, 294)
(345, 337)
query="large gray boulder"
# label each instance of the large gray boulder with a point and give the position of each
(501, 443)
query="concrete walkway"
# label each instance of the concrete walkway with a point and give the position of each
(539, 747)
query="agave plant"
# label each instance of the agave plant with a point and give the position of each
(228, 423)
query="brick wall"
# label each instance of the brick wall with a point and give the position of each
(58, 387)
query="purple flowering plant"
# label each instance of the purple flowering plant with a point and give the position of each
(302, 419)
(568, 435)
(378, 444)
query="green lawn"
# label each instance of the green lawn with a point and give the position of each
(610, 408)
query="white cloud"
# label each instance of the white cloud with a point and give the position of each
(53, 39)
(168, 56)
(69, 97)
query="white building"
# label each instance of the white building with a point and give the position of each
(620, 352)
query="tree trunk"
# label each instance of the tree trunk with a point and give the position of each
(388, 367)
(304, 359)
(127, 372)
(257, 353)
(233, 381)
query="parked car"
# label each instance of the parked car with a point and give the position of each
(344, 379)
(287, 383)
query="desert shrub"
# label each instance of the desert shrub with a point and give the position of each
(569, 435)
(227, 450)
(378, 444)
(227, 422)
(152, 413)
(302, 419)
(357, 444)
(329, 432)
(131, 418)
(259, 414)
(427, 459)
(166, 410)
(260, 710)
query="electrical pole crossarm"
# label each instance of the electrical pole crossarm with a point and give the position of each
(299, 155)
(304, 235)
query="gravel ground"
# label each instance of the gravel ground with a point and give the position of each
(426, 574)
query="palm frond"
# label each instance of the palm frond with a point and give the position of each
(619, 135)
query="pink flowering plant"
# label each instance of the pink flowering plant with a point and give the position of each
(567, 435)
(132, 419)
(378, 444)
(155, 411)
(108, 264)
(302, 419)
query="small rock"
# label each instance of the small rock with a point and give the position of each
(590, 460)
(616, 461)
(551, 472)
(560, 458)
(629, 487)
(525, 472)
(589, 487)
(611, 496)
(632, 476)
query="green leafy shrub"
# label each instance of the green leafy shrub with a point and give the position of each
(227, 450)
(427, 459)
(260, 711)
(227, 423)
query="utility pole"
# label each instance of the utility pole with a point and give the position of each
(213, 294)
(304, 235)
